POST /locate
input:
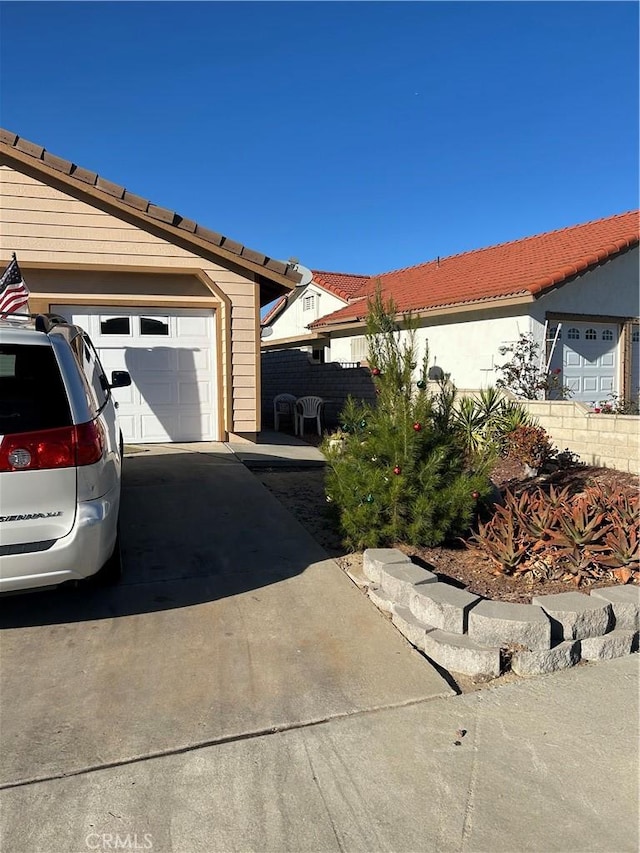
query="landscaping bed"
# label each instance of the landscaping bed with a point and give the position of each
(302, 492)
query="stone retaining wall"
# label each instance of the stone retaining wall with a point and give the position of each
(467, 634)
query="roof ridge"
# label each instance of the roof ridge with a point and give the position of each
(143, 206)
(347, 274)
(441, 258)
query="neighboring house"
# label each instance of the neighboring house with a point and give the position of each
(175, 304)
(288, 321)
(577, 287)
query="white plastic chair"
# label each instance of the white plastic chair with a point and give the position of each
(283, 404)
(308, 407)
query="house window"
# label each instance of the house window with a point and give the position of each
(154, 326)
(115, 325)
(555, 334)
(607, 335)
(573, 334)
(635, 336)
(591, 335)
(308, 302)
(358, 349)
(317, 355)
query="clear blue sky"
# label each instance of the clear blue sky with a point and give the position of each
(359, 137)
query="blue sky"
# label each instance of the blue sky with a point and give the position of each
(358, 137)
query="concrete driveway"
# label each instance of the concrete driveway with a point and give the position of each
(238, 693)
(230, 622)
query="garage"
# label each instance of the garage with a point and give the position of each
(171, 356)
(586, 353)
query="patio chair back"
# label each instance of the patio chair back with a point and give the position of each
(308, 407)
(283, 404)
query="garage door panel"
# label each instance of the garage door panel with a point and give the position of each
(193, 393)
(590, 383)
(173, 394)
(192, 327)
(201, 359)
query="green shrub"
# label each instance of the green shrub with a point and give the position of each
(400, 471)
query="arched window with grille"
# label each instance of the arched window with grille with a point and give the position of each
(607, 335)
(573, 334)
(591, 335)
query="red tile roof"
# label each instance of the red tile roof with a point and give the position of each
(527, 266)
(275, 309)
(345, 285)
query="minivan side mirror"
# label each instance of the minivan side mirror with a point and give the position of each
(120, 379)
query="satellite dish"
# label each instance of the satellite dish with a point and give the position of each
(306, 274)
(266, 332)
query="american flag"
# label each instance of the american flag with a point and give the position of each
(14, 293)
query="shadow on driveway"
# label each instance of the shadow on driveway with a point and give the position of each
(195, 527)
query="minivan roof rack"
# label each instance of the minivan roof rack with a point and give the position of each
(46, 322)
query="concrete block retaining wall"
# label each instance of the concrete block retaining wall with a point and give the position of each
(467, 634)
(612, 441)
(291, 371)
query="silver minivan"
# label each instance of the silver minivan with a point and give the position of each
(60, 456)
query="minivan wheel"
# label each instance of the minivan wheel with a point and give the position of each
(111, 572)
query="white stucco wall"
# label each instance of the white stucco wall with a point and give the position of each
(293, 321)
(465, 348)
(610, 290)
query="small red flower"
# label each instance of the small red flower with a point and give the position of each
(417, 426)
(597, 411)
(397, 470)
(557, 371)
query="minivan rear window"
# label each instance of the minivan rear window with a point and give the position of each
(32, 393)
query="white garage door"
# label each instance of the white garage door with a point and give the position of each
(587, 355)
(171, 358)
(635, 363)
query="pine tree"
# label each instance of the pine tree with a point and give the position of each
(401, 473)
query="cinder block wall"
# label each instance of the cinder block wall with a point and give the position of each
(612, 441)
(292, 372)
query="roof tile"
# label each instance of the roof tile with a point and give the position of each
(530, 265)
(344, 285)
(231, 245)
(8, 137)
(250, 255)
(161, 213)
(109, 187)
(58, 163)
(29, 148)
(85, 175)
(210, 236)
(186, 224)
(135, 201)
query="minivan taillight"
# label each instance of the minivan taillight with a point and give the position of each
(65, 447)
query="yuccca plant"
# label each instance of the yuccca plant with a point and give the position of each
(400, 472)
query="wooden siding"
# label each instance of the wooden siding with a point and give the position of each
(51, 230)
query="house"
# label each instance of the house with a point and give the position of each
(575, 290)
(172, 302)
(287, 322)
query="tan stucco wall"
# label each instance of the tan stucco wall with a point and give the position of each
(58, 236)
(612, 441)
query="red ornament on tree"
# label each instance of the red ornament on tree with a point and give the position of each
(475, 495)
(417, 426)
(375, 371)
(397, 470)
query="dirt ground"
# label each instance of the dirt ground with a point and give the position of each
(302, 492)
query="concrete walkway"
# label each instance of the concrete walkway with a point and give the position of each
(277, 449)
